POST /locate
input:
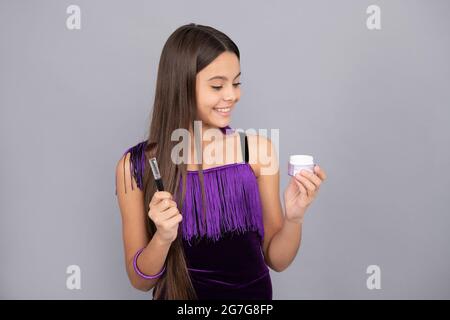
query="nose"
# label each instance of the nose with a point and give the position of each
(229, 94)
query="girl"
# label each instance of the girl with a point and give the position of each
(215, 231)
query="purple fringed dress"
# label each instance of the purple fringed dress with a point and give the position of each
(224, 257)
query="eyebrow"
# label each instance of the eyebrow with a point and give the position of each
(223, 77)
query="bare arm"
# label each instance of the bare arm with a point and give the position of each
(285, 230)
(134, 231)
(282, 238)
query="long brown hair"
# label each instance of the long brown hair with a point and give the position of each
(188, 50)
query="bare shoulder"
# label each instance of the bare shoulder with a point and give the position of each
(126, 182)
(131, 167)
(262, 154)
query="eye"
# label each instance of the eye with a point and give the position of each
(220, 87)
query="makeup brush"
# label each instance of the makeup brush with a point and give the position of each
(156, 174)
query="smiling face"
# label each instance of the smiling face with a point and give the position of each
(218, 90)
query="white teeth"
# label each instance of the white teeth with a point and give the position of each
(223, 109)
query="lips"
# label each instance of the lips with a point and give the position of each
(223, 111)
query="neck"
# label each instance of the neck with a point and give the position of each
(200, 132)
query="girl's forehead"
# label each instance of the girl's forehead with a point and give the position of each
(225, 65)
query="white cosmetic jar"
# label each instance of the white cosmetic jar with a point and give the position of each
(300, 162)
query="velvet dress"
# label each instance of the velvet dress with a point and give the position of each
(224, 253)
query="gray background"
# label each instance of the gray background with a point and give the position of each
(371, 106)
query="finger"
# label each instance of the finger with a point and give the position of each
(301, 186)
(155, 199)
(305, 190)
(308, 184)
(170, 213)
(165, 204)
(312, 177)
(158, 196)
(175, 220)
(319, 171)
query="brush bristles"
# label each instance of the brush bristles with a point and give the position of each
(155, 169)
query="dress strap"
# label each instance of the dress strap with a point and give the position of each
(244, 146)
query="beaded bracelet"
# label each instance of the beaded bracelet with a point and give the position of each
(139, 271)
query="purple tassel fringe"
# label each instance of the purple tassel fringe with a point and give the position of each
(138, 162)
(232, 200)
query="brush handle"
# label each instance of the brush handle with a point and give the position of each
(159, 185)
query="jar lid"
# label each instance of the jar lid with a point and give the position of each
(301, 159)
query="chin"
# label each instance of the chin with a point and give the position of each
(219, 125)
